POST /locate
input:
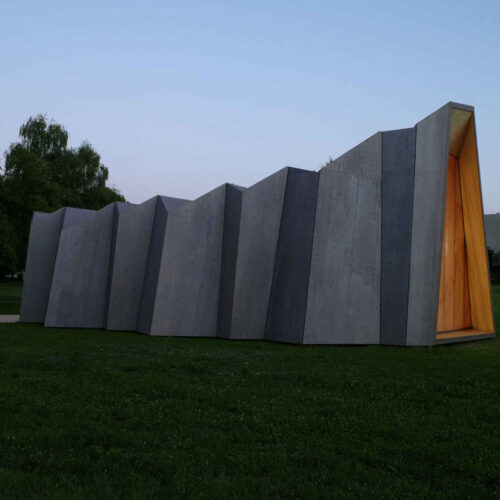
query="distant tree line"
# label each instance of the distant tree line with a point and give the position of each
(41, 173)
(494, 262)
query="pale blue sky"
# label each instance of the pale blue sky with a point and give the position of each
(179, 97)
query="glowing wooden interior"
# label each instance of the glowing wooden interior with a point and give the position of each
(465, 294)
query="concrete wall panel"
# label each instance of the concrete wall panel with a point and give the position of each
(234, 195)
(429, 199)
(344, 285)
(187, 297)
(40, 259)
(133, 238)
(165, 205)
(42, 250)
(261, 211)
(139, 241)
(79, 291)
(75, 216)
(398, 171)
(150, 285)
(288, 299)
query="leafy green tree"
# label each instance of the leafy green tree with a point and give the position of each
(41, 173)
(8, 247)
(78, 172)
(26, 187)
(8, 240)
(44, 139)
(491, 256)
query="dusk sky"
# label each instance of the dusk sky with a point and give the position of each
(180, 97)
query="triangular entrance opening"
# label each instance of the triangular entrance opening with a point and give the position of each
(465, 293)
(454, 298)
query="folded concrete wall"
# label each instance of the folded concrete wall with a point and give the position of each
(429, 200)
(79, 291)
(138, 234)
(398, 173)
(133, 238)
(348, 255)
(344, 285)
(164, 207)
(232, 218)
(261, 210)
(41, 256)
(188, 290)
(448, 133)
(288, 297)
(75, 216)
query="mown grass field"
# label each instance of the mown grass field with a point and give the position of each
(86, 414)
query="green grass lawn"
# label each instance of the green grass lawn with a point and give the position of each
(86, 413)
(10, 297)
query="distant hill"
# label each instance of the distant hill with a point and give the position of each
(492, 230)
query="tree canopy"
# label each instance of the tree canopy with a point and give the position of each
(41, 173)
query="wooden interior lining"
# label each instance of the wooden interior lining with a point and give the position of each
(454, 304)
(465, 294)
(456, 334)
(458, 127)
(477, 257)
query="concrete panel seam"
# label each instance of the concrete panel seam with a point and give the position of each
(110, 265)
(150, 244)
(310, 262)
(222, 256)
(411, 236)
(54, 266)
(382, 211)
(276, 251)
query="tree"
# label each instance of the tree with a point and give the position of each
(26, 187)
(491, 256)
(79, 173)
(8, 241)
(42, 173)
(42, 138)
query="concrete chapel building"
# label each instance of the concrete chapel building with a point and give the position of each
(384, 245)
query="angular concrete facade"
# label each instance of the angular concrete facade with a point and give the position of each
(80, 286)
(273, 257)
(449, 132)
(261, 211)
(232, 218)
(429, 196)
(42, 250)
(139, 239)
(344, 286)
(287, 303)
(398, 174)
(189, 280)
(385, 245)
